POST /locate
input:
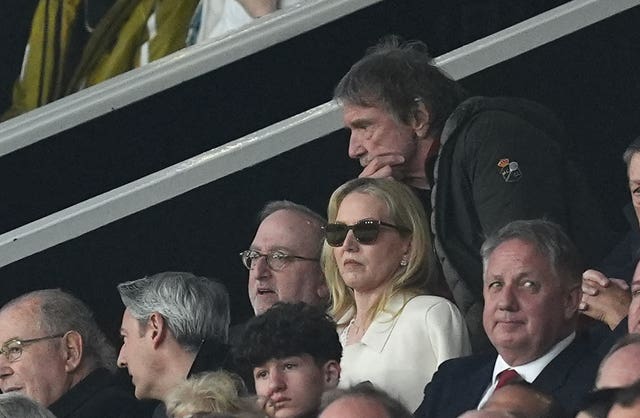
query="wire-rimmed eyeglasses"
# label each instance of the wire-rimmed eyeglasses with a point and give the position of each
(12, 349)
(276, 260)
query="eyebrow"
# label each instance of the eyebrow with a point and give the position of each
(360, 122)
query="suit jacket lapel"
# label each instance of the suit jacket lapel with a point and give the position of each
(477, 383)
(557, 371)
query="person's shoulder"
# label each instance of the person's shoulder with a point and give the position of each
(465, 365)
(114, 399)
(422, 301)
(429, 304)
(478, 104)
(102, 394)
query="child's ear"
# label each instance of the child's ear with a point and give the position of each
(331, 371)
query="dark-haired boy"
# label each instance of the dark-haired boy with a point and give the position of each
(294, 354)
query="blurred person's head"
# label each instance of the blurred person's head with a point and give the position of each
(597, 403)
(363, 400)
(294, 354)
(50, 342)
(621, 365)
(16, 405)
(283, 259)
(168, 317)
(627, 403)
(532, 277)
(377, 240)
(522, 399)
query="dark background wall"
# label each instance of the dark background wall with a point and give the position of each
(589, 78)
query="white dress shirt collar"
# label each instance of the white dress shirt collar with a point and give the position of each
(529, 371)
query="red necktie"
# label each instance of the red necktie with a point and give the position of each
(506, 376)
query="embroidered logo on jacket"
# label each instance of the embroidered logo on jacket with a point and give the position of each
(510, 170)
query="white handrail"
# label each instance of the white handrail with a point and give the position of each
(169, 71)
(283, 136)
(529, 34)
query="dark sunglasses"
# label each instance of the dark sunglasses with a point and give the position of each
(365, 231)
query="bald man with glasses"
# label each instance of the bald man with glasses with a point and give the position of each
(54, 353)
(283, 259)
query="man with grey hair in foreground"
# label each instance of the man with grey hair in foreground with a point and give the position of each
(532, 277)
(54, 353)
(175, 324)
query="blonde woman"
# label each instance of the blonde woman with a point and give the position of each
(378, 263)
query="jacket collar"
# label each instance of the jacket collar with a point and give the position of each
(379, 331)
(212, 355)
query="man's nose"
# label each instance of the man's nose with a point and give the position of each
(356, 150)
(507, 300)
(276, 381)
(5, 369)
(121, 361)
(259, 269)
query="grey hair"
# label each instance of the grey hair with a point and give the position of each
(549, 240)
(61, 312)
(319, 221)
(632, 149)
(16, 405)
(195, 308)
(398, 76)
(366, 390)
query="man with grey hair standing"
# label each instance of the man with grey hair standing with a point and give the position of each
(175, 324)
(477, 162)
(54, 353)
(531, 289)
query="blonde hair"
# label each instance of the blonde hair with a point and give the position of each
(218, 391)
(405, 210)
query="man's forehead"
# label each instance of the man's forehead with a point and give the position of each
(284, 229)
(354, 112)
(19, 320)
(519, 250)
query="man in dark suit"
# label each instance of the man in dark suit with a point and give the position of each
(531, 290)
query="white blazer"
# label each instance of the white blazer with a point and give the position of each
(401, 355)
